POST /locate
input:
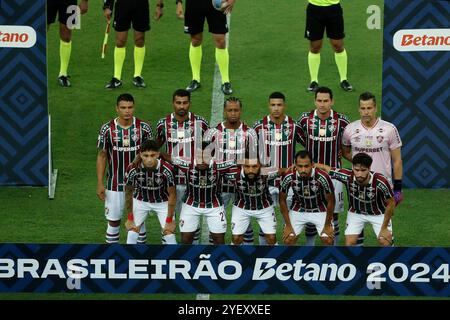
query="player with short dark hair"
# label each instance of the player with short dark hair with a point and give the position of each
(196, 13)
(118, 143)
(150, 186)
(326, 15)
(321, 132)
(181, 132)
(370, 197)
(62, 8)
(313, 200)
(127, 13)
(202, 197)
(278, 135)
(379, 139)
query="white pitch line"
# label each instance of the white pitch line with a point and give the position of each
(216, 117)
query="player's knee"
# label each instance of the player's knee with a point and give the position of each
(315, 46)
(196, 39)
(338, 46)
(237, 239)
(218, 238)
(65, 34)
(139, 40)
(271, 239)
(220, 43)
(114, 224)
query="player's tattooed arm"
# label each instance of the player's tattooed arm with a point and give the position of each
(101, 168)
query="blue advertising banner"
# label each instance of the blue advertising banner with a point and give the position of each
(416, 87)
(224, 269)
(23, 93)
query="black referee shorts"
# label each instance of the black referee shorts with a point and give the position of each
(197, 11)
(127, 12)
(320, 18)
(59, 7)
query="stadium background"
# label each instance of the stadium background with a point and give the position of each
(268, 53)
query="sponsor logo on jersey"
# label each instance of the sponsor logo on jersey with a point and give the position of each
(422, 40)
(17, 36)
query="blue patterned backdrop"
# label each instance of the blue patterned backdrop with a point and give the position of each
(412, 271)
(23, 99)
(416, 92)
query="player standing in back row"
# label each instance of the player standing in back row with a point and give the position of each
(321, 131)
(118, 143)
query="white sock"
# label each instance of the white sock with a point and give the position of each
(132, 237)
(170, 239)
(112, 234)
(142, 239)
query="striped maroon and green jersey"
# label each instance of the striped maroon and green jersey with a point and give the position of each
(203, 186)
(230, 146)
(181, 139)
(277, 143)
(150, 185)
(251, 194)
(323, 138)
(309, 194)
(369, 199)
(122, 146)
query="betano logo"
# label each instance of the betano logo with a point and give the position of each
(422, 40)
(17, 37)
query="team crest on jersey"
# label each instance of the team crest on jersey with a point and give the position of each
(370, 195)
(332, 121)
(135, 137)
(212, 178)
(297, 187)
(331, 128)
(252, 189)
(261, 186)
(380, 139)
(150, 182)
(314, 186)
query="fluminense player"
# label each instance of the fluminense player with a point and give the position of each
(202, 197)
(181, 132)
(379, 139)
(370, 198)
(313, 200)
(118, 142)
(252, 200)
(150, 187)
(278, 135)
(321, 131)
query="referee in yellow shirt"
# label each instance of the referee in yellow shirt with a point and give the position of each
(326, 15)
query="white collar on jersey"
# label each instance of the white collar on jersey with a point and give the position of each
(240, 126)
(116, 122)
(372, 127)
(331, 114)
(286, 119)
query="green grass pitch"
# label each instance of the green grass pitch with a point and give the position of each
(267, 53)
